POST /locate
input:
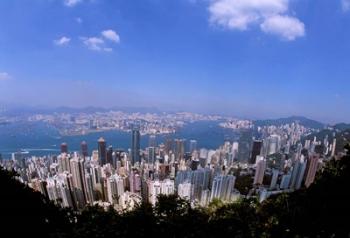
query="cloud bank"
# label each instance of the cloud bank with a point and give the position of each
(270, 15)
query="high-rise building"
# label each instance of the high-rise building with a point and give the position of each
(102, 153)
(193, 145)
(78, 175)
(179, 149)
(169, 145)
(151, 155)
(298, 173)
(244, 145)
(285, 181)
(256, 150)
(334, 147)
(64, 148)
(273, 144)
(184, 190)
(312, 169)
(222, 187)
(109, 155)
(260, 170)
(84, 149)
(135, 145)
(275, 173)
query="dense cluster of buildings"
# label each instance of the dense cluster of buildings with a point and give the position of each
(80, 123)
(273, 157)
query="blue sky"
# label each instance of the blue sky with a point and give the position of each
(251, 58)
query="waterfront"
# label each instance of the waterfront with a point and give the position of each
(40, 139)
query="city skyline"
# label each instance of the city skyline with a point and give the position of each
(272, 59)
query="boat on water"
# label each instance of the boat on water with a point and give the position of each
(23, 151)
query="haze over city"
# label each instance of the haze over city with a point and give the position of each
(257, 59)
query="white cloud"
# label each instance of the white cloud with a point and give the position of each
(94, 43)
(242, 14)
(289, 28)
(111, 35)
(100, 43)
(4, 76)
(79, 20)
(71, 3)
(62, 41)
(345, 5)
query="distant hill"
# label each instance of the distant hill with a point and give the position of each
(342, 137)
(288, 120)
(341, 126)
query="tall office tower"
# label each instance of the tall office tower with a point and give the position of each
(260, 170)
(275, 173)
(193, 145)
(285, 181)
(135, 182)
(200, 180)
(334, 146)
(77, 169)
(184, 190)
(109, 155)
(167, 187)
(244, 145)
(183, 176)
(256, 150)
(169, 145)
(102, 153)
(89, 189)
(64, 148)
(203, 157)
(222, 187)
(273, 144)
(153, 191)
(179, 149)
(64, 191)
(152, 142)
(111, 190)
(151, 155)
(298, 173)
(205, 198)
(307, 144)
(312, 169)
(135, 145)
(84, 149)
(63, 161)
(235, 146)
(120, 185)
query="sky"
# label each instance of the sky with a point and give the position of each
(247, 58)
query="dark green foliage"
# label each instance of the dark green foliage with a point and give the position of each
(24, 212)
(322, 210)
(244, 183)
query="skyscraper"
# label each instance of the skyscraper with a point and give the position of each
(256, 150)
(84, 149)
(102, 153)
(298, 173)
(135, 145)
(260, 170)
(109, 155)
(222, 187)
(64, 148)
(179, 149)
(193, 145)
(312, 169)
(151, 155)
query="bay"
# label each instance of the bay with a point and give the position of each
(41, 139)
